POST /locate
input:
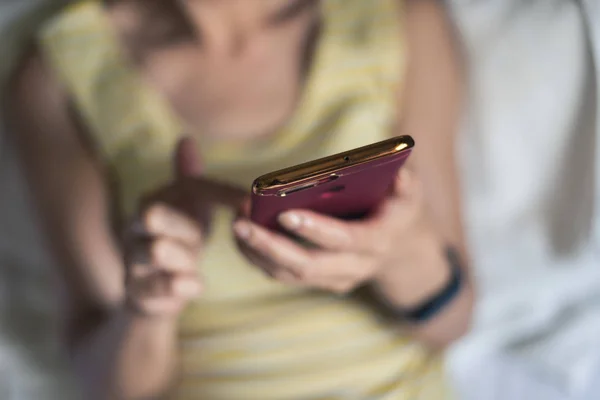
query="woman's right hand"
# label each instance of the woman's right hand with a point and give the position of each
(163, 255)
(164, 244)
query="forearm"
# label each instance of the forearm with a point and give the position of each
(450, 324)
(127, 357)
(432, 105)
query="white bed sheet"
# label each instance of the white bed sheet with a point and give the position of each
(537, 325)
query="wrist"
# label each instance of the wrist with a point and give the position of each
(416, 275)
(147, 356)
(435, 303)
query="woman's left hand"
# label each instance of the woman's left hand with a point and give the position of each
(397, 243)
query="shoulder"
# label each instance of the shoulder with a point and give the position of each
(424, 6)
(34, 93)
(433, 42)
(38, 107)
(38, 113)
(427, 18)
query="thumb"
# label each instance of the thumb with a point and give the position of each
(406, 185)
(186, 159)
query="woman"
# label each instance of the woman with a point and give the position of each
(172, 308)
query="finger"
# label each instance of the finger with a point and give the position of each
(189, 169)
(334, 234)
(137, 251)
(278, 250)
(281, 274)
(187, 159)
(185, 286)
(162, 288)
(158, 285)
(162, 220)
(324, 231)
(406, 185)
(146, 274)
(245, 208)
(213, 192)
(403, 205)
(171, 256)
(147, 256)
(155, 306)
(340, 272)
(334, 272)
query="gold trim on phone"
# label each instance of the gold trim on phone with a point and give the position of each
(326, 168)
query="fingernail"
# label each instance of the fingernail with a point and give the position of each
(290, 220)
(243, 230)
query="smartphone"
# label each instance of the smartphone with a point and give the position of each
(344, 185)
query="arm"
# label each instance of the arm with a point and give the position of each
(400, 249)
(432, 105)
(116, 352)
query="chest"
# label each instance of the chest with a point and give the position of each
(240, 94)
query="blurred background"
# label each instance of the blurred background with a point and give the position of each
(533, 99)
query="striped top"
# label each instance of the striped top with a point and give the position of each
(249, 337)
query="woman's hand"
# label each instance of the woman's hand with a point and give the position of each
(162, 261)
(164, 245)
(397, 240)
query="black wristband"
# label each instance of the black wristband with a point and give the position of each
(436, 303)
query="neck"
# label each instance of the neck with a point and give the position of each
(225, 25)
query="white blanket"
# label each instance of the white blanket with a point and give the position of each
(531, 177)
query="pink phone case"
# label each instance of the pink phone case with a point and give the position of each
(357, 190)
